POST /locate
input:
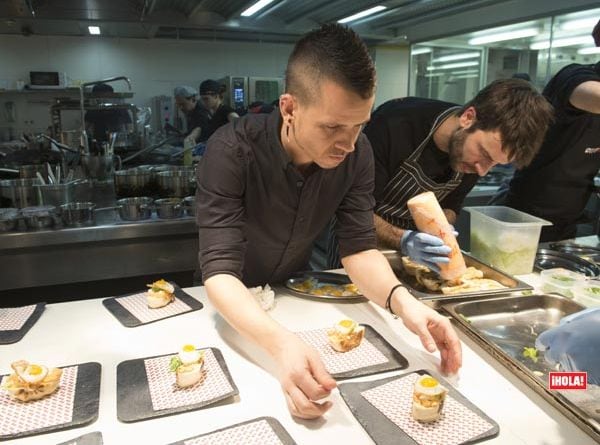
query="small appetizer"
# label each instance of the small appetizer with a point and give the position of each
(428, 399)
(187, 366)
(160, 294)
(31, 381)
(345, 335)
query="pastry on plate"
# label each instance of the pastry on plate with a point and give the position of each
(345, 335)
(30, 381)
(160, 294)
(428, 399)
(187, 366)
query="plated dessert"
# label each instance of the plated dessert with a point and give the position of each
(345, 335)
(428, 399)
(187, 366)
(31, 381)
(160, 294)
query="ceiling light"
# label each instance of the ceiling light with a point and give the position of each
(460, 56)
(502, 36)
(590, 50)
(585, 24)
(465, 72)
(448, 66)
(361, 14)
(466, 76)
(558, 43)
(435, 74)
(260, 4)
(94, 30)
(417, 51)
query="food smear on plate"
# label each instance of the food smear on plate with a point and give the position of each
(345, 335)
(31, 381)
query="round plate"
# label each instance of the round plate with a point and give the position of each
(586, 252)
(548, 259)
(323, 278)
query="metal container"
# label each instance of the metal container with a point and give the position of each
(177, 183)
(135, 209)
(134, 182)
(78, 214)
(9, 218)
(55, 194)
(99, 167)
(19, 193)
(31, 170)
(169, 208)
(189, 205)
(505, 326)
(39, 217)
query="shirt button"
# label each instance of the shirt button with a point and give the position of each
(299, 184)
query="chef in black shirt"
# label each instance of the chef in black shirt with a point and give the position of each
(197, 117)
(558, 183)
(269, 183)
(100, 123)
(211, 95)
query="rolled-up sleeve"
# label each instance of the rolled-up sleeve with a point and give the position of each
(220, 213)
(354, 227)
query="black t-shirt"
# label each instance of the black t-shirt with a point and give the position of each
(198, 117)
(559, 181)
(107, 121)
(217, 120)
(396, 129)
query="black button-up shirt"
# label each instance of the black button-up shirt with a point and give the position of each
(258, 215)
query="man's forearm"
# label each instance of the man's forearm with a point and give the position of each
(235, 303)
(388, 235)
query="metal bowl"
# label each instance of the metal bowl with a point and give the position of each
(8, 219)
(177, 183)
(39, 217)
(133, 182)
(189, 205)
(169, 208)
(78, 214)
(135, 209)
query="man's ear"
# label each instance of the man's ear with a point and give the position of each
(286, 106)
(468, 118)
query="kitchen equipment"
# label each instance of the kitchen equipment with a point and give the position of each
(100, 167)
(548, 259)
(435, 299)
(169, 208)
(55, 194)
(134, 182)
(587, 293)
(30, 171)
(586, 252)
(177, 183)
(135, 209)
(505, 238)
(40, 217)
(505, 326)
(9, 218)
(319, 285)
(189, 205)
(19, 193)
(78, 214)
(560, 281)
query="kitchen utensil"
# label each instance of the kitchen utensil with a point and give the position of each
(135, 209)
(548, 259)
(177, 183)
(586, 252)
(168, 208)
(19, 192)
(78, 214)
(39, 217)
(8, 219)
(189, 205)
(55, 194)
(134, 182)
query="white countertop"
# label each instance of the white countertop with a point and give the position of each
(82, 331)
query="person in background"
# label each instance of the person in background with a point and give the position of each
(211, 95)
(269, 183)
(424, 145)
(558, 183)
(197, 117)
(100, 123)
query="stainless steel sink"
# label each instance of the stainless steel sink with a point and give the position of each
(504, 326)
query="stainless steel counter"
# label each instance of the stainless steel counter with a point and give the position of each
(119, 250)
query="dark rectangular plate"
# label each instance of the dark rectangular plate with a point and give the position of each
(13, 336)
(277, 427)
(128, 320)
(323, 278)
(94, 438)
(133, 393)
(85, 405)
(381, 429)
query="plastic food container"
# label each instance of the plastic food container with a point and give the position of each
(561, 281)
(505, 238)
(587, 293)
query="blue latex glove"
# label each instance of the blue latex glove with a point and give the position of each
(574, 343)
(425, 249)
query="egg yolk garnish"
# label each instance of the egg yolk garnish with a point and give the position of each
(346, 323)
(429, 382)
(189, 348)
(34, 370)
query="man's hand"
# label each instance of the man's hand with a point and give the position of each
(303, 378)
(433, 329)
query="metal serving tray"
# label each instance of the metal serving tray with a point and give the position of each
(588, 253)
(504, 326)
(548, 259)
(512, 284)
